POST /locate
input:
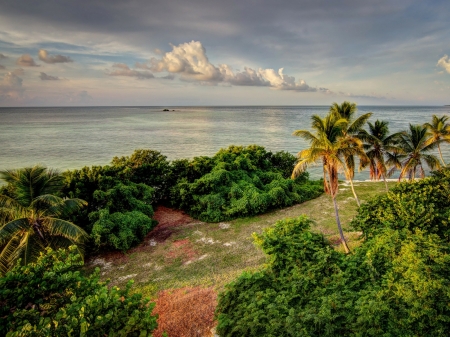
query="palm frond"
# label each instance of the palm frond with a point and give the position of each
(58, 227)
(13, 228)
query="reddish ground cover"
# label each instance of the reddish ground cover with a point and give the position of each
(186, 312)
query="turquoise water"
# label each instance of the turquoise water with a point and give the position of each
(73, 137)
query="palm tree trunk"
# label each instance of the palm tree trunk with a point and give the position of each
(440, 154)
(336, 212)
(354, 193)
(385, 183)
(349, 177)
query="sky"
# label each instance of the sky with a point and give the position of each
(233, 52)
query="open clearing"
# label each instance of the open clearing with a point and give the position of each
(183, 252)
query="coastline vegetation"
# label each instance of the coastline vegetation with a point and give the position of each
(393, 244)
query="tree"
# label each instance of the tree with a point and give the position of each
(31, 216)
(327, 145)
(53, 297)
(354, 145)
(413, 147)
(380, 148)
(440, 132)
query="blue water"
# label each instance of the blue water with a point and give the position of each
(73, 137)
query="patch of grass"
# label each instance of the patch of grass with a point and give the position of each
(213, 254)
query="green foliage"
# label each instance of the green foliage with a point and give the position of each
(53, 298)
(33, 217)
(395, 284)
(148, 167)
(239, 181)
(422, 204)
(120, 211)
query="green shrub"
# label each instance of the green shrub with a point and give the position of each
(424, 204)
(53, 298)
(240, 181)
(396, 284)
(119, 211)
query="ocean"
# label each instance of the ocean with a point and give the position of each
(73, 137)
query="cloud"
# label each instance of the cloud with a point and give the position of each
(123, 70)
(45, 77)
(43, 56)
(168, 77)
(280, 81)
(444, 62)
(18, 72)
(11, 87)
(2, 57)
(26, 61)
(190, 61)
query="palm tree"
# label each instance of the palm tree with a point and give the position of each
(30, 213)
(440, 132)
(380, 149)
(326, 146)
(413, 147)
(355, 147)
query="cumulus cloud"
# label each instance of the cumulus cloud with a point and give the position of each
(444, 62)
(189, 60)
(43, 56)
(122, 69)
(45, 77)
(26, 61)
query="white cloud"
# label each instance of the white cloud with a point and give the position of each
(45, 77)
(444, 62)
(280, 81)
(190, 61)
(26, 61)
(122, 69)
(43, 56)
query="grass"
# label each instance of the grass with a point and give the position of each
(213, 254)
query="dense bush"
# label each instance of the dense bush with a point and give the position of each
(119, 212)
(239, 181)
(148, 167)
(396, 284)
(53, 298)
(424, 203)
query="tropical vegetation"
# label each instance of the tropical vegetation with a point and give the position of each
(52, 297)
(395, 284)
(241, 181)
(327, 146)
(32, 216)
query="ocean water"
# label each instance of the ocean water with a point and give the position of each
(73, 137)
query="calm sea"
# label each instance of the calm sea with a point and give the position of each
(73, 137)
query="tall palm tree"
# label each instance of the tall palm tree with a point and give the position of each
(347, 111)
(326, 146)
(440, 132)
(30, 216)
(413, 152)
(380, 149)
